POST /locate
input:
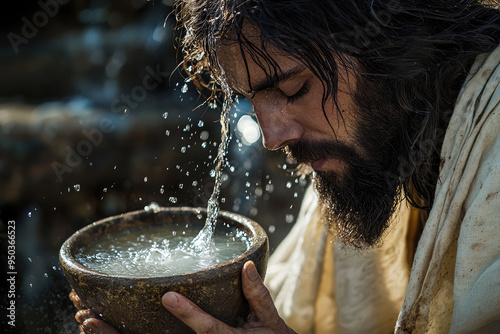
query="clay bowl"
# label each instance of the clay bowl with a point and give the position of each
(133, 304)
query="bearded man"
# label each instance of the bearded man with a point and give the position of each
(393, 107)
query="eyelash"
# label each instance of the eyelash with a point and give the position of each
(297, 96)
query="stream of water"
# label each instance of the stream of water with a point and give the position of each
(203, 242)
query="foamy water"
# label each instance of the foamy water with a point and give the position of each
(160, 251)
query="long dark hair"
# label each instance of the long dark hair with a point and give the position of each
(418, 50)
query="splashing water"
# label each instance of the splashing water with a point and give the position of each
(158, 251)
(203, 242)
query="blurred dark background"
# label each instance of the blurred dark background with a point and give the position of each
(95, 121)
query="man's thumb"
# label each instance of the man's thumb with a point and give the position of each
(258, 296)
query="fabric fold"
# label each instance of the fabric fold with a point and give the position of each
(451, 287)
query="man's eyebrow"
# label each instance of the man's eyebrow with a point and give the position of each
(274, 80)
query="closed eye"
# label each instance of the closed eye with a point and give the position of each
(300, 93)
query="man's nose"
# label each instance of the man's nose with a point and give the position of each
(278, 127)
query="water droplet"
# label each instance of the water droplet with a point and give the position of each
(165, 115)
(289, 218)
(105, 190)
(184, 88)
(181, 185)
(187, 128)
(283, 167)
(194, 184)
(54, 267)
(213, 104)
(162, 189)
(31, 285)
(247, 184)
(204, 135)
(253, 211)
(29, 259)
(145, 179)
(295, 194)
(183, 149)
(271, 228)
(204, 144)
(153, 206)
(29, 214)
(289, 184)
(46, 275)
(212, 173)
(173, 199)
(167, 132)
(200, 123)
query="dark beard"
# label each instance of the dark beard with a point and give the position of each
(359, 204)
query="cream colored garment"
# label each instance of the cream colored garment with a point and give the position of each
(455, 279)
(318, 287)
(454, 286)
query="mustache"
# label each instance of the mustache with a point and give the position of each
(306, 151)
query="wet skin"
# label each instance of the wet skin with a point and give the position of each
(291, 109)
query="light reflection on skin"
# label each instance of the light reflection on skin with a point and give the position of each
(291, 110)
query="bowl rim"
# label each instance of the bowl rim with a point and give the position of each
(259, 237)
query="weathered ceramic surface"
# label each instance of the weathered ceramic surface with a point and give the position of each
(133, 304)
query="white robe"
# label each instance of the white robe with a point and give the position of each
(454, 284)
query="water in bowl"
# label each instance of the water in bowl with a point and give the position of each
(160, 251)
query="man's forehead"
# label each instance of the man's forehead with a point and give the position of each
(243, 61)
(238, 70)
(244, 73)
(234, 75)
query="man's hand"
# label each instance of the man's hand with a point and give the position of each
(263, 318)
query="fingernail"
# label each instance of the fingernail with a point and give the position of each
(252, 272)
(89, 327)
(170, 300)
